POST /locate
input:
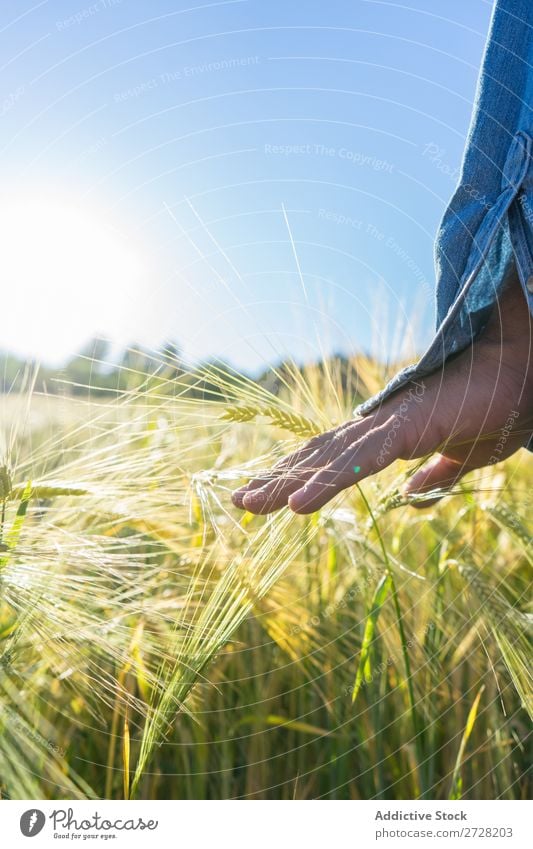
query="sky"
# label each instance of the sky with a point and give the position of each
(249, 179)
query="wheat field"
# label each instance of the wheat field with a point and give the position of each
(157, 643)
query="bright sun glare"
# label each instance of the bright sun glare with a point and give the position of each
(66, 275)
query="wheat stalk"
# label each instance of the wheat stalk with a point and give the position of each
(511, 629)
(50, 490)
(293, 422)
(511, 522)
(5, 483)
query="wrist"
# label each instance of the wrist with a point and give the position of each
(507, 340)
(510, 320)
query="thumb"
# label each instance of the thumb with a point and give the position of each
(440, 473)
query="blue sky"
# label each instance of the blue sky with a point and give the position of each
(252, 179)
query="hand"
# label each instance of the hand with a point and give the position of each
(478, 410)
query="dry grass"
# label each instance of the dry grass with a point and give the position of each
(156, 642)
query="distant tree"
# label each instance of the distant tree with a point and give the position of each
(85, 369)
(169, 363)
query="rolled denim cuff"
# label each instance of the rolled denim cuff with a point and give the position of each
(505, 236)
(488, 224)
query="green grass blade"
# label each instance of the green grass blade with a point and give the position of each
(380, 596)
(456, 789)
(13, 535)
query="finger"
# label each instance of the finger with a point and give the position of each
(440, 473)
(271, 490)
(238, 495)
(362, 459)
(275, 494)
(288, 462)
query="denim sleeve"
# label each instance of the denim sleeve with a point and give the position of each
(488, 225)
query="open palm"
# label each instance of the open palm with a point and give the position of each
(476, 411)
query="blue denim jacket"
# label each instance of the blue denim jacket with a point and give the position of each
(488, 224)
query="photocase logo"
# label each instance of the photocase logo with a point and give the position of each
(32, 822)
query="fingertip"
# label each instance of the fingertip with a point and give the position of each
(251, 502)
(419, 491)
(239, 495)
(300, 502)
(292, 501)
(421, 502)
(237, 499)
(259, 504)
(432, 482)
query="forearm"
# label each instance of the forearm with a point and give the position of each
(507, 343)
